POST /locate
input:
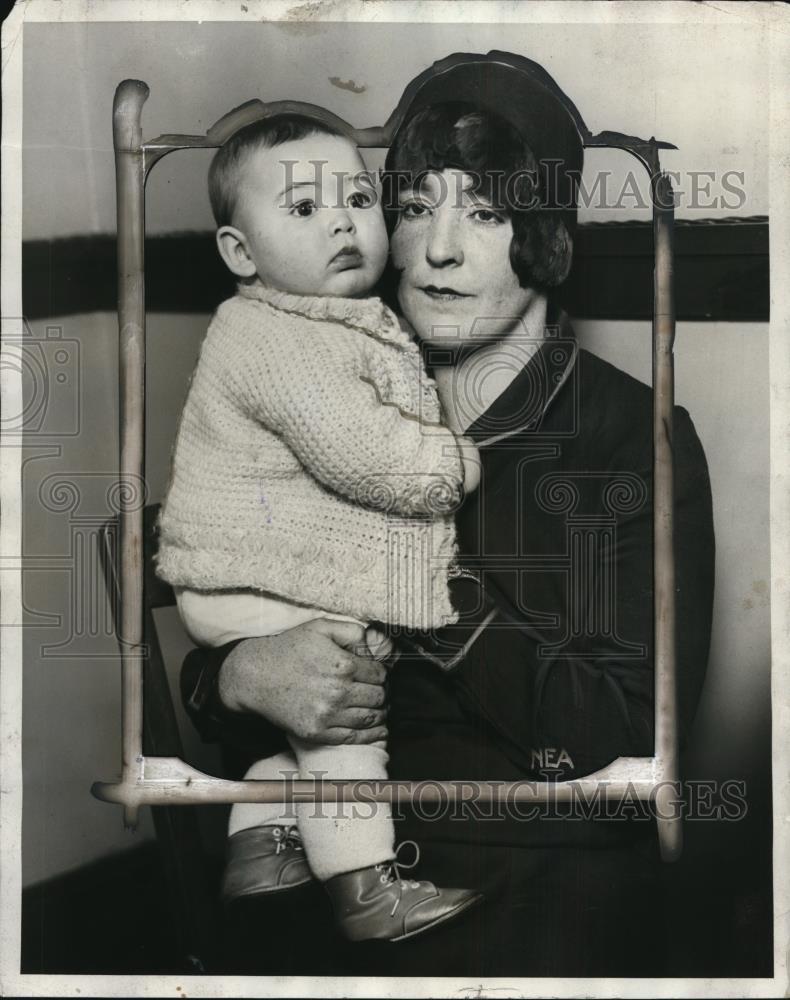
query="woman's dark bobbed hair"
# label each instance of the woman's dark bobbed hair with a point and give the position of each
(457, 135)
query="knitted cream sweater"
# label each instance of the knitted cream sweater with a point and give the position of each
(311, 462)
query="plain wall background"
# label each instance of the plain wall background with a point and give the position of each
(703, 99)
(692, 85)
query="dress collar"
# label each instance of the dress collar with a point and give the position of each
(524, 403)
(369, 315)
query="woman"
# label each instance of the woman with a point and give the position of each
(558, 538)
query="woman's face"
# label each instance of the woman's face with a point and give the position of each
(452, 251)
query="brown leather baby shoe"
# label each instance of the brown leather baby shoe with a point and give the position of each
(377, 902)
(263, 860)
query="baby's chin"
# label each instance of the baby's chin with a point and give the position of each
(356, 283)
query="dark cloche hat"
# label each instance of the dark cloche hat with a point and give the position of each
(518, 90)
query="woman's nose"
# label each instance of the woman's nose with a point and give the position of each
(341, 222)
(443, 247)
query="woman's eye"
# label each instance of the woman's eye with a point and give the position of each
(304, 209)
(360, 200)
(414, 209)
(488, 215)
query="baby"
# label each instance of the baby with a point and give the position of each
(312, 478)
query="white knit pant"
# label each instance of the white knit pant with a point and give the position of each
(337, 837)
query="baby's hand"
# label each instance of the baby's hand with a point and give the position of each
(470, 457)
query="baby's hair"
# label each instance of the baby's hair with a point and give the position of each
(223, 174)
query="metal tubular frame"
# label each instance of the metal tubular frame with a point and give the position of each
(170, 781)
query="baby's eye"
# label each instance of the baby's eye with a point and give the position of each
(304, 209)
(360, 199)
(488, 216)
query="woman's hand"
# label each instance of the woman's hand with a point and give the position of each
(317, 682)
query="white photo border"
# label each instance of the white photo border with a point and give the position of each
(776, 19)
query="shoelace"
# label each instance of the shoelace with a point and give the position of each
(391, 872)
(285, 838)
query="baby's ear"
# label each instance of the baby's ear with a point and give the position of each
(232, 246)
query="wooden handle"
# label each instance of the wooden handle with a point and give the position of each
(127, 110)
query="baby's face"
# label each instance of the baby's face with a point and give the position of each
(312, 221)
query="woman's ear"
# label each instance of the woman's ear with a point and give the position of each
(232, 246)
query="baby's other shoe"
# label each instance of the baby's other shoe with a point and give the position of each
(377, 903)
(263, 860)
